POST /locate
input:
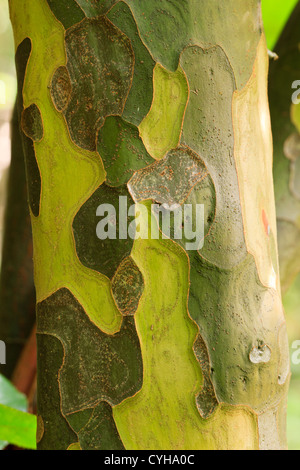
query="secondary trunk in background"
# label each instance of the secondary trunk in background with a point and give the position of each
(147, 345)
(286, 131)
(17, 293)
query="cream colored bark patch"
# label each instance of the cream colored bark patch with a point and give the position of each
(268, 431)
(253, 156)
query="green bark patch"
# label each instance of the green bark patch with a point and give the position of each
(22, 57)
(140, 96)
(122, 150)
(103, 256)
(169, 26)
(204, 193)
(164, 28)
(79, 419)
(94, 8)
(100, 62)
(128, 287)
(71, 12)
(241, 316)
(170, 180)
(161, 128)
(32, 170)
(31, 123)
(66, 11)
(98, 366)
(61, 88)
(53, 429)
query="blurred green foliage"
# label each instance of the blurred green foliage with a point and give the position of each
(16, 426)
(275, 16)
(7, 63)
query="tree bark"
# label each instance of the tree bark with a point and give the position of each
(17, 293)
(145, 344)
(286, 127)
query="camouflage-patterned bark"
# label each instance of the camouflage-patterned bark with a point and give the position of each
(286, 130)
(144, 345)
(17, 294)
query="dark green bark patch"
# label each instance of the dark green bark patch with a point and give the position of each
(100, 433)
(164, 27)
(32, 124)
(205, 193)
(230, 321)
(32, 170)
(122, 150)
(57, 433)
(61, 88)
(96, 428)
(94, 8)
(128, 287)
(100, 63)
(103, 256)
(33, 176)
(167, 27)
(22, 56)
(66, 11)
(99, 367)
(79, 419)
(141, 94)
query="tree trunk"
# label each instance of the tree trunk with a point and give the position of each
(286, 130)
(147, 344)
(17, 294)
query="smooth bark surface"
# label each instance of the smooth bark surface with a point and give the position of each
(143, 344)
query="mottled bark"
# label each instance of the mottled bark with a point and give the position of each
(17, 293)
(286, 131)
(143, 344)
